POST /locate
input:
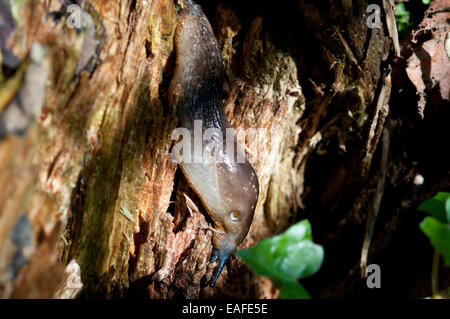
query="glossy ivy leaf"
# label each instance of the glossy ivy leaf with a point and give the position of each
(438, 207)
(439, 235)
(292, 290)
(286, 257)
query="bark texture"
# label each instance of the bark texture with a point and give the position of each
(100, 209)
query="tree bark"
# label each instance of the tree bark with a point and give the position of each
(93, 185)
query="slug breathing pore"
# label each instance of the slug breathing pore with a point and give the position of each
(220, 174)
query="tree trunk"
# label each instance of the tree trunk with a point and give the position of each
(91, 183)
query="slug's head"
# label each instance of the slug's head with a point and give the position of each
(239, 190)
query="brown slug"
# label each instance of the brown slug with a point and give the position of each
(228, 187)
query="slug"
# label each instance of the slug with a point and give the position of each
(228, 187)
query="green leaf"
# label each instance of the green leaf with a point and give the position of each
(437, 207)
(286, 257)
(402, 17)
(292, 290)
(447, 209)
(439, 235)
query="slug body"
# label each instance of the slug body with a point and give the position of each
(228, 187)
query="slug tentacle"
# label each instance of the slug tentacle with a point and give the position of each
(228, 187)
(223, 256)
